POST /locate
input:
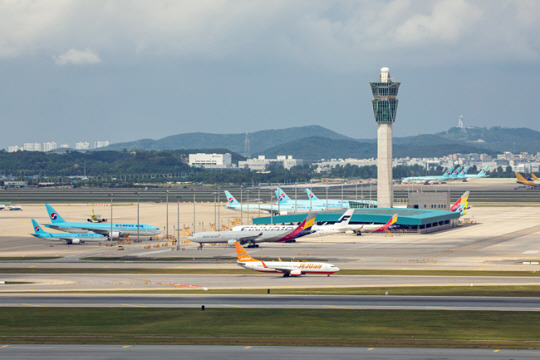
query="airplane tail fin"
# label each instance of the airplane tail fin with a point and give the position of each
(456, 172)
(534, 177)
(38, 230)
(390, 222)
(521, 179)
(303, 228)
(463, 172)
(281, 196)
(231, 200)
(346, 217)
(53, 215)
(463, 208)
(483, 172)
(448, 172)
(311, 195)
(242, 254)
(463, 198)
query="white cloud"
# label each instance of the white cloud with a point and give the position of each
(78, 57)
(332, 34)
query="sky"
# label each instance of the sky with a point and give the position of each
(123, 70)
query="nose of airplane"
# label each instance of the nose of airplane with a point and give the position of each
(191, 238)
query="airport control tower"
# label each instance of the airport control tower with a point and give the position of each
(385, 104)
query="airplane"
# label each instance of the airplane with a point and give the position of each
(118, 229)
(534, 177)
(15, 208)
(96, 218)
(288, 268)
(68, 238)
(445, 176)
(314, 198)
(284, 199)
(358, 229)
(254, 234)
(339, 226)
(281, 209)
(2, 207)
(481, 173)
(522, 180)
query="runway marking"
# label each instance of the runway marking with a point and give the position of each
(5, 346)
(32, 266)
(34, 305)
(370, 349)
(125, 347)
(106, 266)
(247, 347)
(236, 306)
(133, 305)
(495, 350)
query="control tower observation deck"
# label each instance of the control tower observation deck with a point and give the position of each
(385, 104)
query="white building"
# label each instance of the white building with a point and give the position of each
(261, 163)
(48, 146)
(99, 144)
(82, 145)
(32, 146)
(215, 161)
(14, 148)
(64, 146)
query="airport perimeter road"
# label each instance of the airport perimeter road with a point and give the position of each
(252, 280)
(54, 352)
(274, 301)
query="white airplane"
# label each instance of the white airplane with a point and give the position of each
(287, 268)
(281, 209)
(358, 229)
(339, 226)
(253, 234)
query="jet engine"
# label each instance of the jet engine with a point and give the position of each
(231, 243)
(115, 234)
(75, 241)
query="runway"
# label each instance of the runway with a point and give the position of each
(250, 280)
(53, 352)
(275, 301)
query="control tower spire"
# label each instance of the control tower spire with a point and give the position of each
(385, 104)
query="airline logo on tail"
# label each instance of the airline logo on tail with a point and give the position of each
(390, 222)
(54, 216)
(242, 254)
(461, 200)
(230, 198)
(37, 229)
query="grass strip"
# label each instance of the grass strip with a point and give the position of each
(38, 270)
(308, 327)
(28, 258)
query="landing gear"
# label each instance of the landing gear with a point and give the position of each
(252, 244)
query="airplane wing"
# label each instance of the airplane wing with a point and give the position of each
(248, 238)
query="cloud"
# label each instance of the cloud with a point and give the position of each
(336, 34)
(78, 57)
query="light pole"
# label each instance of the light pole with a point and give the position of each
(194, 223)
(295, 189)
(219, 206)
(326, 197)
(178, 222)
(215, 218)
(167, 211)
(248, 191)
(138, 227)
(271, 208)
(241, 205)
(111, 195)
(342, 195)
(259, 197)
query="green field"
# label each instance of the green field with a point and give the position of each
(332, 327)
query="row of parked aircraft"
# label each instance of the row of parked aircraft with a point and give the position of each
(531, 180)
(285, 204)
(450, 174)
(252, 235)
(79, 232)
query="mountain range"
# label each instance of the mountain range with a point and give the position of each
(316, 142)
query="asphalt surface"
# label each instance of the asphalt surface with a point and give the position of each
(275, 301)
(249, 280)
(53, 352)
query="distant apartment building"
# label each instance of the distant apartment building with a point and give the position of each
(32, 146)
(211, 161)
(64, 146)
(14, 148)
(83, 145)
(261, 163)
(100, 144)
(48, 146)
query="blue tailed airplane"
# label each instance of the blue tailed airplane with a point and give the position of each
(67, 237)
(281, 209)
(118, 229)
